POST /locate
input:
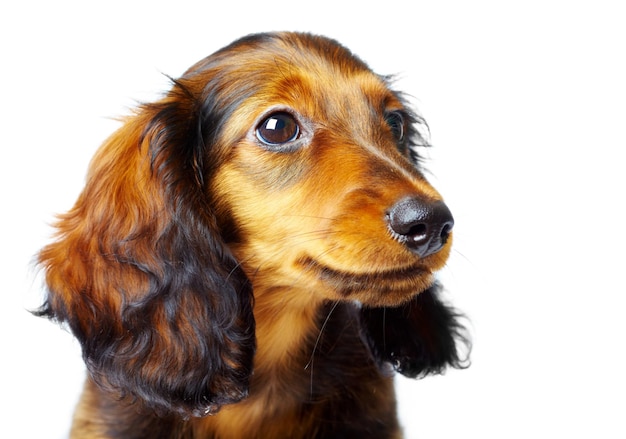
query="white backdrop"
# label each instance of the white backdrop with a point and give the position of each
(526, 102)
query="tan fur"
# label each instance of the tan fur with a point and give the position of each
(332, 195)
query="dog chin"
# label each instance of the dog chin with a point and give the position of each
(391, 287)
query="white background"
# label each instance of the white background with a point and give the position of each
(527, 106)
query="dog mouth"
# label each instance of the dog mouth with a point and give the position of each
(405, 280)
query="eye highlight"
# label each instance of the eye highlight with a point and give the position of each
(395, 120)
(277, 129)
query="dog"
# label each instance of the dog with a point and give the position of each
(254, 254)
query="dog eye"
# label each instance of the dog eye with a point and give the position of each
(396, 123)
(277, 129)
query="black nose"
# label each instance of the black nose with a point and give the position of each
(423, 226)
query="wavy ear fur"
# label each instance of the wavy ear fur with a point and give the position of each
(141, 275)
(421, 337)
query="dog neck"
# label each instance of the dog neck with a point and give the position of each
(301, 367)
(287, 326)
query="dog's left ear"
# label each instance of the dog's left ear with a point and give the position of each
(421, 337)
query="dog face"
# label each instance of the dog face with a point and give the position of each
(319, 154)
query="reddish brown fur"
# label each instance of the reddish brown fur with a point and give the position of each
(306, 228)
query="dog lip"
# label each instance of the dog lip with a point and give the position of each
(345, 278)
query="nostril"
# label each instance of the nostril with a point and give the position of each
(445, 231)
(423, 226)
(417, 230)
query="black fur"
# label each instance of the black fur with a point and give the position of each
(421, 337)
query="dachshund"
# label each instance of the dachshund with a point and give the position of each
(253, 254)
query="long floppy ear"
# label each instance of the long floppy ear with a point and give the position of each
(141, 275)
(421, 337)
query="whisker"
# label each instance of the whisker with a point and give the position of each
(298, 215)
(311, 235)
(316, 234)
(468, 260)
(311, 264)
(317, 341)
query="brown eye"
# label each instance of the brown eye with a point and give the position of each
(277, 129)
(396, 123)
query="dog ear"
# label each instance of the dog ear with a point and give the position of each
(421, 337)
(142, 276)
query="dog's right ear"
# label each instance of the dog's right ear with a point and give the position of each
(141, 275)
(418, 338)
